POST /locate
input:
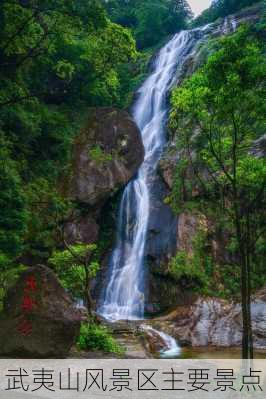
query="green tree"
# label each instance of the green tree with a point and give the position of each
(56, 59)
(218, 113)
(220, 9)
(150, 20)
(14, 216)
(75, 269)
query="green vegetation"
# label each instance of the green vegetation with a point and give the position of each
(75, 269)
(217, 115)
(9, 273)
(150, 20)
(196, 270)
(56, 60)
(222, 8)
(186, 271)
(96, 337)
(99, 156)
(200, 272)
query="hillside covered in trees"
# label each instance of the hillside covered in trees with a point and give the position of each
(57, 59)
(220, 9)
(150, 20)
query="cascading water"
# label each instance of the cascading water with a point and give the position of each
(123, 298)
(170, 349)
(173, 350)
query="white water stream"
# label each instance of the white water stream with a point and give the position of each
(123, 298)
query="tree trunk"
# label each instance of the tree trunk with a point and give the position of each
(248, 241)
(245, 291)
(87, 294)
(245, 313)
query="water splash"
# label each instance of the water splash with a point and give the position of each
(171, 349)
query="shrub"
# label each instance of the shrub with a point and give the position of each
(186, 271)
(97, 337)
(98, 155)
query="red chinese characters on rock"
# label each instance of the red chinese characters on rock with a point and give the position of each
(25, 327)
(28, 303)
(31, 284)
(27, 306)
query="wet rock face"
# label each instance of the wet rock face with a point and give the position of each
(39, 319)
(164, 293)
(154, 343)
(168, 164)
(161, 291)
(81, 229)
(216, 322)
(107, 154)
(161, 237)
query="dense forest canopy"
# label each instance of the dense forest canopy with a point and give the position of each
(150, 20)
(220, 9)
(56, 59)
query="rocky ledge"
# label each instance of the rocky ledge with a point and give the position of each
(214, 322)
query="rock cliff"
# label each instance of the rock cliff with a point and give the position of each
(215, 322)
(106, 155)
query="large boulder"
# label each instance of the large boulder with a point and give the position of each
(107, 154)
(215, 322)
(40, 319)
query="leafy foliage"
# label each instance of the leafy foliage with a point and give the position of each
(217, 115)
(150, 20)
(56, 59)
(9, 273)
(14, 216)
(186, 272)
(97, 337)
(100, 156)
(74, 268)
(222, 8)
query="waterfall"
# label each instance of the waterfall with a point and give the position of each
(173, 349)
(170, 347)
(124, 296)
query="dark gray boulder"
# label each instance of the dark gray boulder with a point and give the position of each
(40, 319)
(107, 154)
